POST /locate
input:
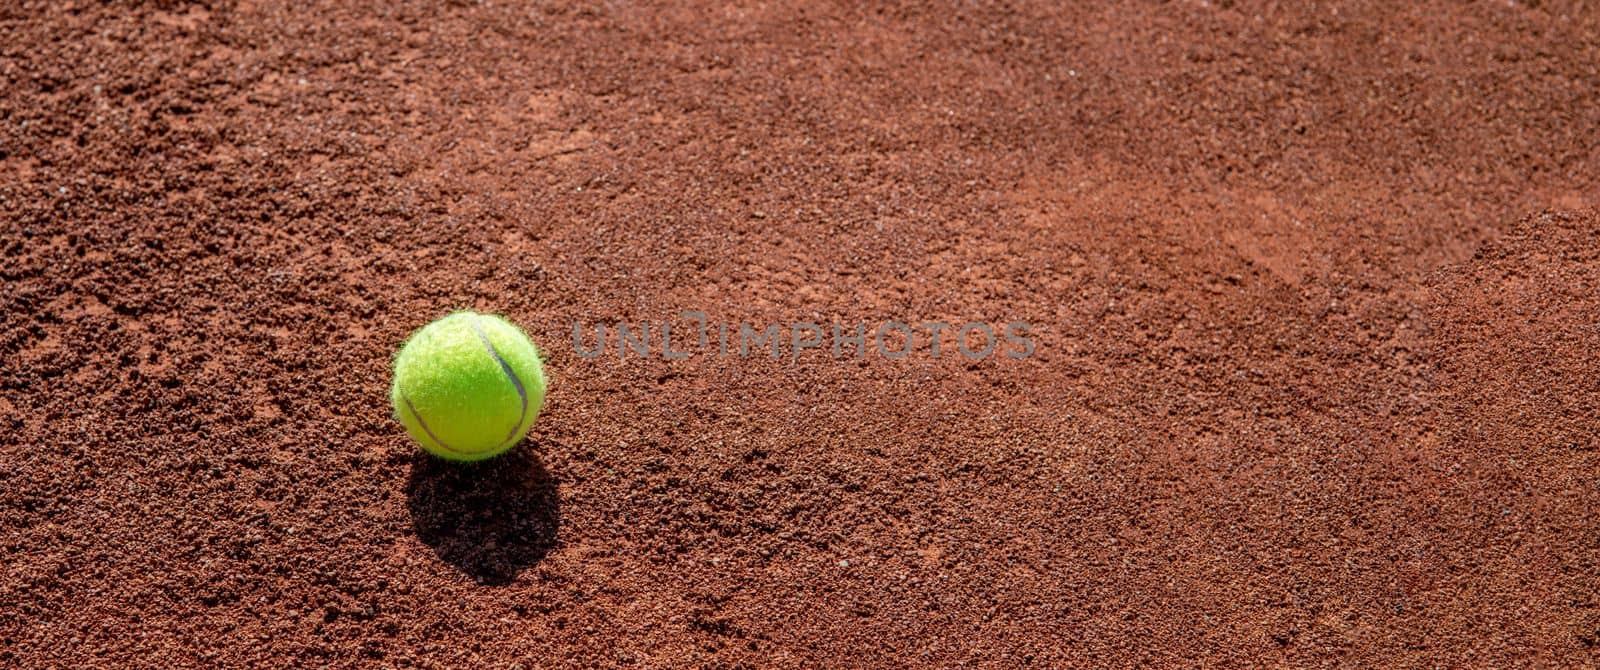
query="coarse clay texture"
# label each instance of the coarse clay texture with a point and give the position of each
(1315, 290)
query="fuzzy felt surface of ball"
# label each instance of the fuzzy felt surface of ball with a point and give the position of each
(468, 386)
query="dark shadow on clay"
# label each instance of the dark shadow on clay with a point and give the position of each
(490, 519)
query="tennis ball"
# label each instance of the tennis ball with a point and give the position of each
(468, 386)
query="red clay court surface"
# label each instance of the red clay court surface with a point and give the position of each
(1315, 291)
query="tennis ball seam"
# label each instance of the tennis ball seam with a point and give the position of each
(429, 431)
(505, 367)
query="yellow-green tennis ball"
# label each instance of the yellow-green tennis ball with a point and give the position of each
(468, 386)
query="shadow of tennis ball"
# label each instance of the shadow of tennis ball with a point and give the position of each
(489, 520)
